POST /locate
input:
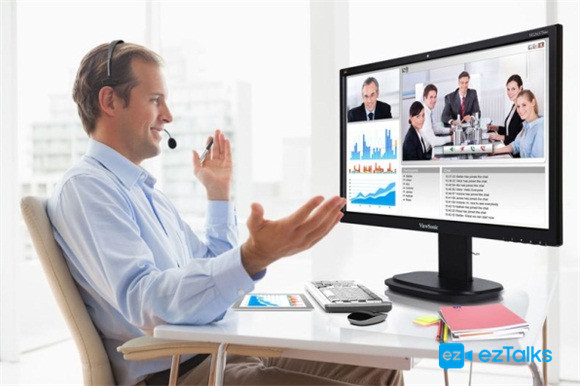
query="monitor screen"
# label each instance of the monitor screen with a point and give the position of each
(462, 141)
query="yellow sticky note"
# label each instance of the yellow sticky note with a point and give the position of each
(426, 320)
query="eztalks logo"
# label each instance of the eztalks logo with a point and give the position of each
(453, 355)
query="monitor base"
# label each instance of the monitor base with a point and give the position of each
(429, 285)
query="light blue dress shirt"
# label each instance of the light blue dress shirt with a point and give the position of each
(136, 262)
(529, 143)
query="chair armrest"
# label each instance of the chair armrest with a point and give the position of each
(254, 351)
(148, 347)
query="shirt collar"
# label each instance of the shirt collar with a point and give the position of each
(533, 123)
(126, 171)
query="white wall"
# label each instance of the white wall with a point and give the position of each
(9, 350)
(391, 29)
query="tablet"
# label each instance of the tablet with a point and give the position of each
(273, 302)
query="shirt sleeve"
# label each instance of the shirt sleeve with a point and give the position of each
(222, 230)
(538, 145)
(429, 135)
(221, 227)
(96, 226)
(517, 143)
(441, 130)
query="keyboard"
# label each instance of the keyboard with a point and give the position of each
(347, 296)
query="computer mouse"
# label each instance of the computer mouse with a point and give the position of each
(366, 318)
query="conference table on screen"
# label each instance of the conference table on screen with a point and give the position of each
(439, 151)
(397, 343)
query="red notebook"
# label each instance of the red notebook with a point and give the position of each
(488, 317)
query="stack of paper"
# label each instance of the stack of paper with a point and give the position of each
(490, 321)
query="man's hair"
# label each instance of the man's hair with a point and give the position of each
(430, 87)
(515, 78)
(463, 75)
(370, 80)
(93, 70)
(529, 95)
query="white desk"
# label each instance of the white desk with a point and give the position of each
(397, 343)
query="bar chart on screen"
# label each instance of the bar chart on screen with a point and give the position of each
(376, 168)
(373, 143)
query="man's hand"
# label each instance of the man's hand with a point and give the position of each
(270, 240)
(215, 173)
(467, 118)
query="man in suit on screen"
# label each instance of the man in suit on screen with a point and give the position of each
(371, 108)
(463, 102)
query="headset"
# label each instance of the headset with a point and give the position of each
(112, 82)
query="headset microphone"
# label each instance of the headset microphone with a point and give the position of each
(171, 142)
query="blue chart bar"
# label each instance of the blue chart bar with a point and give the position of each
(382, 196)
(387, 151)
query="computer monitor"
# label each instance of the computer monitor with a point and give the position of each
(476, 157)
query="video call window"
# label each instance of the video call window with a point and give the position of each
(373, 96)
(443, 138)
(468, 109)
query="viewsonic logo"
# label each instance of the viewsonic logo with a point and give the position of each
(538, 33)
(431, 227)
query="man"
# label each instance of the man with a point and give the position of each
(431, 128)
(463, 102)
(137, 264)
(371, 108)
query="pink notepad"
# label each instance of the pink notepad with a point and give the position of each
(488, 317)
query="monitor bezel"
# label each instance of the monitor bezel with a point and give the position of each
(553, 235)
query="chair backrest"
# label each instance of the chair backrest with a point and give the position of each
(96, 366)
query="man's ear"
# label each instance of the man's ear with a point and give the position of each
(107, 100)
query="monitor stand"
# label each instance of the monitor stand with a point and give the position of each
(454, 283)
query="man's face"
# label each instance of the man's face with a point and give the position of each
(142, 121)
(463, 85)
(370, 93)
(430, 99)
